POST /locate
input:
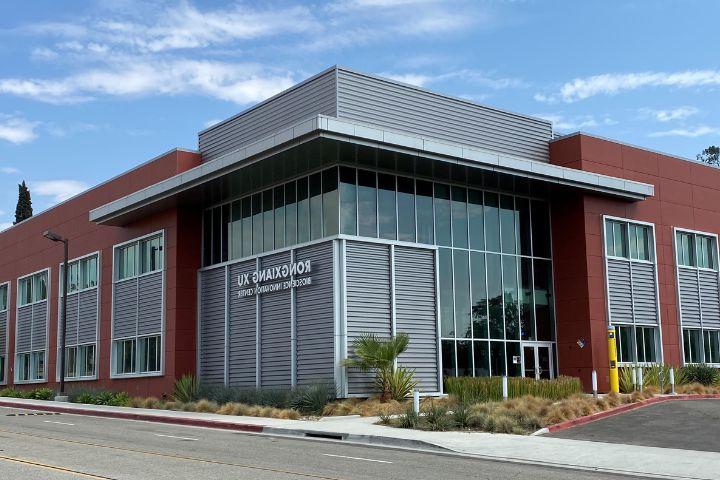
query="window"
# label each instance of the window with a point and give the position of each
(127, 261)
(3, 297)
(629, 240)
(696, 250)
(636, 344)
(82, 274)
(712, 346)
(125, 356)
(79, 361)
(136, 258)
(693, 345)
(149, 354)
(32, 289)
(30, 366)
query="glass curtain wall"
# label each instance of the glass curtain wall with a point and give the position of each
(495, 268)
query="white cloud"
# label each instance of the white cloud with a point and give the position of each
(613, 83)
(239, 83)
(561, 123)
(57, 190)
(467, 75)
(211, 122)
(43, 53)
(9, 170)
(692, 132)
(17, 130)
(349, 5)
(679, 113)
(5, 225)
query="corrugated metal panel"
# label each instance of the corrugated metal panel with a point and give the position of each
(415, 313)
(125, 308)
(316, 96)
(150, 300)
(315, 322)
(620, 296)
(644, 293)
(275, 326)
(709, 299)
(212, 326)
(3, 333)
(416, 111)
(367, 267)
(39, 325)
(71, 331)
(689, 297)
(23, 329)
(88, 313)
(242, 331)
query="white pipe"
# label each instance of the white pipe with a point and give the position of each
(672, 380)
(640, 378)
(416, 401)
(505, 387)
(594, 384)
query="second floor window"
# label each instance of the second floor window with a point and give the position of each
(140, 257)
(3, 297)
(696, 250)
(83, 274)
(628, 240)
(32, 289)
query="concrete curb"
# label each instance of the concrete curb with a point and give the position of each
(622, 409)
(307, 433)
(193, 422)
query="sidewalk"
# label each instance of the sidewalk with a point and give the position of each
(606, 457)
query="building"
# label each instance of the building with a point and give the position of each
(350, 204)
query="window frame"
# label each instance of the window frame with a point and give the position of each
(715, 240)
(652, 243)
(114, 341)
(16, 353)
(78, 260)
(634, 327)
(5, 367)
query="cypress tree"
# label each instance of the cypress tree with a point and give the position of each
(23, 210)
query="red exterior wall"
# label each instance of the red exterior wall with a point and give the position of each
(687, 195)
(24, 250)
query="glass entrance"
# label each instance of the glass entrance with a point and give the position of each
(538, 361)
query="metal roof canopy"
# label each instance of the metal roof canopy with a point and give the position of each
(182, 189)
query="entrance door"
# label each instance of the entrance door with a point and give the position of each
(538, 361)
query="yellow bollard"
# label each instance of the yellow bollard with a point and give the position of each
(612, 355)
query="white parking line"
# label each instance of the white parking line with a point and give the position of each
(356, 458)
(173, 436)
(59, 423)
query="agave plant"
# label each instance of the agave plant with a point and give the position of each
(186, 389)
(378, 354)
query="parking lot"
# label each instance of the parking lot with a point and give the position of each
(688, 425)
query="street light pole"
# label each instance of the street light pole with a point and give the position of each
(63, 312)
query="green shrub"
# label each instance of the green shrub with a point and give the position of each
(656, 375)
(186, 389)
(702, 374)
(400, 383)
(11, 392)
(312, 400)
(437, 418)
(100, 397)
(409, 419)
(42, 393)
(483, 389)
(461, 415)
(309, 399)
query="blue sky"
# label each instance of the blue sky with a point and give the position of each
(89, 89)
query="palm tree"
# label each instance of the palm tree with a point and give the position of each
(378, 354)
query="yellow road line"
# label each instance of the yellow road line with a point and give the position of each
(53, 468)
(170, 455)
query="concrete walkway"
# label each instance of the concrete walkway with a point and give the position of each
(606, 457)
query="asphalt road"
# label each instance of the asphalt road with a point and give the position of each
(49, 447)
(687, 425)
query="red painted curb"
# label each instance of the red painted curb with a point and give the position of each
(241, 427)
(626, 408)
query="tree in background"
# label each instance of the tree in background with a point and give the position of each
(23, 211)
(710, 155)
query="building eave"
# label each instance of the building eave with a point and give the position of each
(117, 212)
